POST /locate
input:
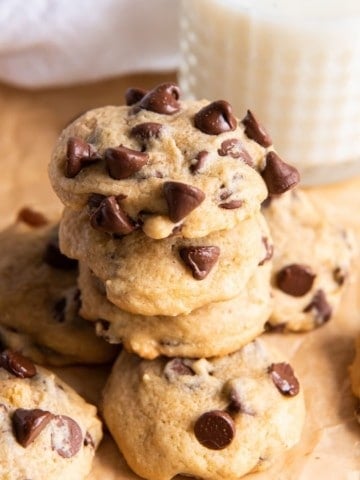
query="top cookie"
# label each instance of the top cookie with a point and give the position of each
(169, 163)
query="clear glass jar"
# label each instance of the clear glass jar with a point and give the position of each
(295, 64)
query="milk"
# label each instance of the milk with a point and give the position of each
(296, 64)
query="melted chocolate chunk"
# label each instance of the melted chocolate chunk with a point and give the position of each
(279, 328)
(94, 200)
(162, 99)
(339, 276)
(284, 378)
(235, 149)
(269, 248)
(200, 259)
(134, 95)
(88, 440)
(278, 175)
(255, 131)
(181, 199)
(176, 367)
(32, 217)
(59, 310)
(215, 118)
(146, 131)
(66, 436)
(235, 403)
(295, 279)
(215, 429)
(28, 424)
(79, 154)
(231, 205)
(321, 308)
(17, 364)
(55, 259)
(199, 161)
(225, 194)
(123, 162)
(109, 217)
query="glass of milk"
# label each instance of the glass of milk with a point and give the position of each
(294, 63)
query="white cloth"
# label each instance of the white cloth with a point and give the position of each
(59, 42)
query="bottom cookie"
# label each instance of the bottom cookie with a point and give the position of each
(213, 419)
(47, 431)
(213, 330)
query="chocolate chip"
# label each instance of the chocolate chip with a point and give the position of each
(267, 202)
(284, 378)
(269, 249)
(88, 440)
(235, 149)
(28, 424)
(181, 199)
(215, 429)
(134, 95)
(255, 131)
(32, 217)
(235, 402)
(17, 364)
(94, 201)
(109, 217)
(200, 259)
(339, 276)
(278, 175)
(162, 99)
(199, 161)
(79, 154)
(231, 205)
(146, 131)
(122, 162)
(59, 310)
(321, 307)
(295, 279)
(54, 258)
(66, 436)
(176, 367)
(270, 328)
(225, 194)
(215, 118)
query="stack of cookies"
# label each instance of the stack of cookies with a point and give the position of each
(162, 211)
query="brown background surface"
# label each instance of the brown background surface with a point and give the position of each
(330, 447)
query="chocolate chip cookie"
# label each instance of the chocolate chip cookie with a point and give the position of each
(169, 277)
(212, 419)
(168, 164)
(47, 431)
(216, 329)
(311, 262)
(39, 298)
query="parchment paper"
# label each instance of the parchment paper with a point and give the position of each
(330, 446)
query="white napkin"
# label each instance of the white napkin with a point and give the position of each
(58, 42)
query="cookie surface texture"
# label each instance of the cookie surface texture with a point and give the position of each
(152, 277)
(212, 330)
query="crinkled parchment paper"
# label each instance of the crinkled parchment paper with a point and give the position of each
(330, 446)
